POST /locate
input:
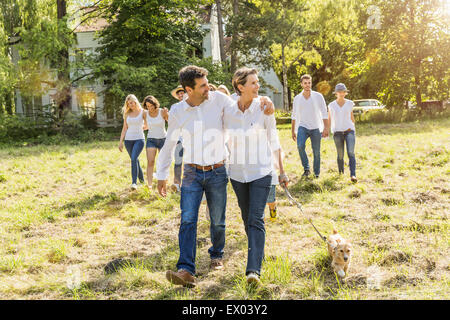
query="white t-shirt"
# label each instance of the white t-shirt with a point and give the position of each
(135, 129)
(309, 113)
(156, 126)
(341, 116)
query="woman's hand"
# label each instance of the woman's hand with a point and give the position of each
(165, 114)
(121, 146)
(283, 179)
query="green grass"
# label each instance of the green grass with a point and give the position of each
(66, 207)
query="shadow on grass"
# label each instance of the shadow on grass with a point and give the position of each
(31, 150)
(304, 189)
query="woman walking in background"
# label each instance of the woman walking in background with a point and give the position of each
(132, 135)
(156, 135)
(343, 128)
(222, 88)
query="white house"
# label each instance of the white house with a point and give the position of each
(88, 96)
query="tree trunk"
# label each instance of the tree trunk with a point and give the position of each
(220, 25)
(9, 101)
(285, 83)
(234, 58)
(417, 88)
(64, 92)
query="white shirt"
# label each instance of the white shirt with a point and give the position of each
(341, 116)
(309, 113)
(234, 96)
(252, 137)
(202, 130)
(135, 130)
(156, 126)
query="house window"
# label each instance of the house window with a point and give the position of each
(87, 103)
(112, 106)
(32, 105)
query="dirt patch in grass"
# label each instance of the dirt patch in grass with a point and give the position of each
(401, 280)
(396, 257)
(423, 197)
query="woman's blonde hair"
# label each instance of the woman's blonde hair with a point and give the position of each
(224, 88)
(125, 108)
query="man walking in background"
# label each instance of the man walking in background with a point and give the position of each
(309, 120)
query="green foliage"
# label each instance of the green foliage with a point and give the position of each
(146, 44)
(218, 73)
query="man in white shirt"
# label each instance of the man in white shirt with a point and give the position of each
(199, 120)
(309, 120)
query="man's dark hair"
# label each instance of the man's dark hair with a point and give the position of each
(188, 75)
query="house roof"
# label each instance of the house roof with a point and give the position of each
(91, 24)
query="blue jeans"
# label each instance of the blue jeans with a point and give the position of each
(134, 149)
(214, 184)
(348, 138)
(252, 198)
(302, 135)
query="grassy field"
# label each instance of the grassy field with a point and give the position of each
(66, 211)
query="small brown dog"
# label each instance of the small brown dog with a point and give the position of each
(340, 250)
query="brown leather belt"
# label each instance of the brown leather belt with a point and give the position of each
(206, 168)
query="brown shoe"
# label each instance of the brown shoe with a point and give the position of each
(353, 178)
(216, 264)
(182, 278)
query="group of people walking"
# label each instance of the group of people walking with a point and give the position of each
(222, 137)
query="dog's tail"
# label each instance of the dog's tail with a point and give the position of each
(334, 231)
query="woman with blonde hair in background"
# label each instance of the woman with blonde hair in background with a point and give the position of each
(132, 135)
(222, 88)
(156, 135)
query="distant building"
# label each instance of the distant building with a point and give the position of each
(89, 98)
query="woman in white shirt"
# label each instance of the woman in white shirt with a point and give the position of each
(156, 135)
(133, 136)
(251, 138)
(343, 128)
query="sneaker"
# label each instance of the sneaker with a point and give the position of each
(306, 173)
(353, 178)
(181, 278)
(216, 264)
(253, 277)
(273, 214)
(134, 186)
(317, 176)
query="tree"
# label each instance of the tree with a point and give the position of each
(145, 45)
(272, 34)
(410, 52)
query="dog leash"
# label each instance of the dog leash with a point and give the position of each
(292, 200)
